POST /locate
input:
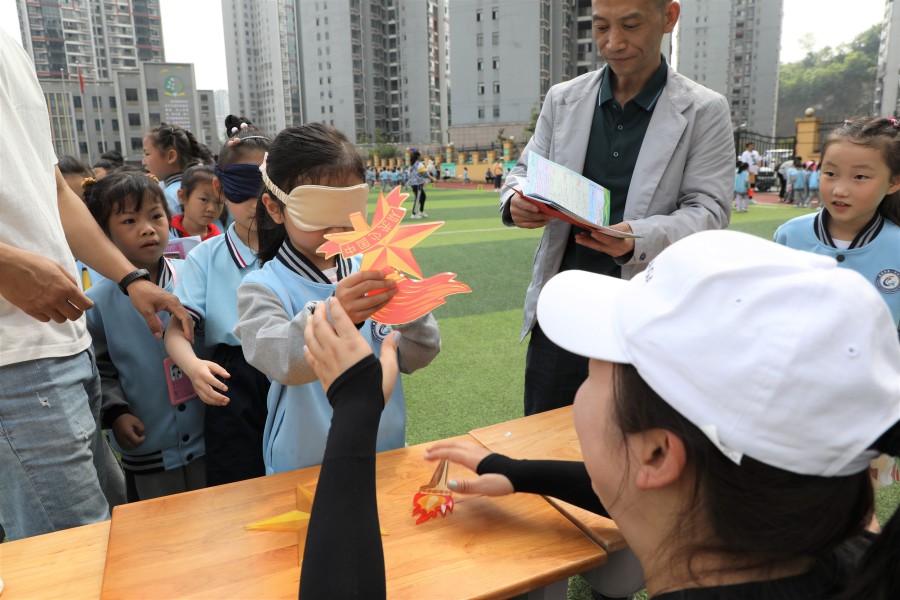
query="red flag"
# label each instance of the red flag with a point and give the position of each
(80, 81)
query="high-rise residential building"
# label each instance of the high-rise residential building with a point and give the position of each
(101, 66)
(376, 69)
(262, 54)
(223, 109)
(506, 55)
(733, 48)
(887, 78)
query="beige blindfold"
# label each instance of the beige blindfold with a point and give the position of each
(317, 207)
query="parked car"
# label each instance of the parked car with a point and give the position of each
(766, 179)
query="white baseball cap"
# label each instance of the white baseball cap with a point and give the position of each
(773, 353)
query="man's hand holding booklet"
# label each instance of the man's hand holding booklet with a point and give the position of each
(564, 194)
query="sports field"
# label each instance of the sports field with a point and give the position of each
(477, 379)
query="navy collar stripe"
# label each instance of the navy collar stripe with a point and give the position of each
(866, 236)
(294, 260)
(233, 250)
(172, 179)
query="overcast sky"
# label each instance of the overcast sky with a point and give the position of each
(192, 30)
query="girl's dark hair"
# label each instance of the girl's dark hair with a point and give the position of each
(743, 167)
(414, 157)
(312, 154)
(112, 195)
(109, 165)
(69, 165)
(194, 176)
(244, 142)
(113, 156)
(881, 134)
(756, 514)
(190, 151)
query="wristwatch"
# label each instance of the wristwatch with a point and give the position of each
(132, 277)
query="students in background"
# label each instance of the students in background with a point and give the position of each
(158, 434)
(796, 176)
(202, 206)
(74, 172)
(314, 180)
(418, 178)
(741, 187)
(168, 151)
(812, 184)
(235, 391)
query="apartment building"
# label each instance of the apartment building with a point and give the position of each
(887, 77)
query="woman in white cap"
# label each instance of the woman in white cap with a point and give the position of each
(737, 391)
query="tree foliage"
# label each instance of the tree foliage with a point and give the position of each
(839, 83)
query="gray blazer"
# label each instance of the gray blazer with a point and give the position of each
(682, 181)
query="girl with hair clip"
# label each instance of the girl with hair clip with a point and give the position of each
(859, 184)
(208, 290)
(314, 180)
(202, 205)
(742, 480)
(159, 436)
(168, 151)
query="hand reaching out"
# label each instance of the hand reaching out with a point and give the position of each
(40, 287)
(331, 349)
(469, 455)
(202, 374)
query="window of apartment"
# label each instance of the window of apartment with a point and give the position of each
(480, 65)
(76, 100)
(495, 38)
(112, 101)
(131, 95)
(495, 13)
(155, 119)
(134, 120)
(479, 39)
(97, 125)
(495, 63)
(478, 16)
(496, 111)
(137, 144)
(96, 102)
(152, 95)
(79, 125)
(118, 147)
(82, 147)
(496, 87)
(100, 148)
(115, 124)
(481, 89)
(480, 112)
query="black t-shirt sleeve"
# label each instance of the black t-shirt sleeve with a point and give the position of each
(567, 480)
(343, 556)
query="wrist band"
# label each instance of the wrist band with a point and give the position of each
(132, 277)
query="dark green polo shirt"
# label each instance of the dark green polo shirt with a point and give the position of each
(617, 134)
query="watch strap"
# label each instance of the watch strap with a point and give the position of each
(132, 277)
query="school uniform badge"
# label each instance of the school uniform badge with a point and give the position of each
(888, 281)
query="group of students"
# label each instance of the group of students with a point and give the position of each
(801, 182)
(737, 392)
(254, 406)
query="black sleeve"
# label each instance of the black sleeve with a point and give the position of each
(567, 480)
(343, 556)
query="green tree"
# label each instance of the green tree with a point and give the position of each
(839, 83)
(532, 123)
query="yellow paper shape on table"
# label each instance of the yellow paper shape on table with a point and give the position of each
(386, 246)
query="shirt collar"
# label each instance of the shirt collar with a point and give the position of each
(171, 179)
(240, 253)
(166, 276)
(294, 260)
(648, 96)
(865, 236)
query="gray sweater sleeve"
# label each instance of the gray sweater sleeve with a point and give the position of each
(272, 341)
(420, 342)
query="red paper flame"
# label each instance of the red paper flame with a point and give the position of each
(415, 298)
(428, 506)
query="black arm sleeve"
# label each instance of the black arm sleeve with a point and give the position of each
(343, 556)
(567, 480)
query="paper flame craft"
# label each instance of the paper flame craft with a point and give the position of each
(387, 246)
(434, 497)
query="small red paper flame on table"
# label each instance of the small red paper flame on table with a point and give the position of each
(428, 504)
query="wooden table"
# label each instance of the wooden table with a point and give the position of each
(194, 545)
(550, 435)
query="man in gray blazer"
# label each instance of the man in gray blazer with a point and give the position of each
(661, 143)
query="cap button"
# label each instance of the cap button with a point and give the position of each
(643, 256)
(839, 258)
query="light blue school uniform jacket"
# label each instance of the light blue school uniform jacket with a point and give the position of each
(274, 303)
(170, 187)
(130, 361)
(875, 253)
(208, 284)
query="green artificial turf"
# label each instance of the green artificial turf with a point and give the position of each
(477, 379)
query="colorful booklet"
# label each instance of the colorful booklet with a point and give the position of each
(180, 247)
(564, 194)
